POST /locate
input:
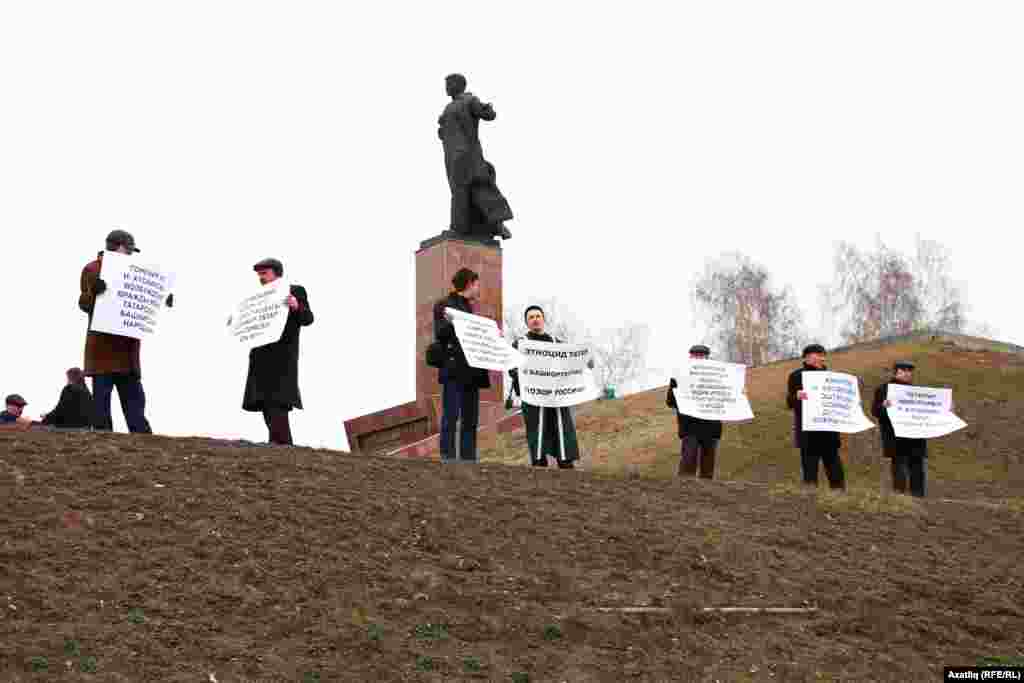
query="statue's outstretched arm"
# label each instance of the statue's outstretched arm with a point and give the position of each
(483, 111)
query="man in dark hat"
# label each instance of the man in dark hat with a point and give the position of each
(11, 417)
(699, 437)
(113, 360)
(272, 384)
(908, 456)
(814, 446)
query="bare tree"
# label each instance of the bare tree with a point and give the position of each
(880, 292)
(620, 355)
(749, 318)
(942, 298)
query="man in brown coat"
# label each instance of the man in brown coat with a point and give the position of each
(112, 360)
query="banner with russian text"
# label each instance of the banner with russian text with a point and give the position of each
(555, 375)
(713, 390)
(482, 342)
(833, 403)
(922, 412)
(259, 318)
(134, 298)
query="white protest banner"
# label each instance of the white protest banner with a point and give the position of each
(922, 412)
(833, 403)
(260, 317)
(135, 295)
(713, 390)
(482, 342)
(555, 375)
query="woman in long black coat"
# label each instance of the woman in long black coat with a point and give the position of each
(272, 385)
(559, 425)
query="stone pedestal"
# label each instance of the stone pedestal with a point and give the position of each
(437, 261)
(415, 422)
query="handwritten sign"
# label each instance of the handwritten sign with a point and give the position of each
(482, 342)
(555, 375)
(833, 403)
(922, 412)
(713, 390)
(260, 317)
(134, 298)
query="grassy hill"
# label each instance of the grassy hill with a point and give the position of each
(638, 433)
(145, 558)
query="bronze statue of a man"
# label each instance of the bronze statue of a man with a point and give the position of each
(478, 207)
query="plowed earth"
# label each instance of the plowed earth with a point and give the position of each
(158, 559)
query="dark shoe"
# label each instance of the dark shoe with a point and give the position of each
(505, 233)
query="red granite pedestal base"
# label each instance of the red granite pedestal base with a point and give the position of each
(437, 261)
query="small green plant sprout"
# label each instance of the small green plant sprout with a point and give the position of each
(472, 664)
(424, 663)
(552, 632)
(432, 631)
(375, 632)
(520, 677)
(39, 663)
(311, 677)
(88, 665)
(72, 648)
(136, 616)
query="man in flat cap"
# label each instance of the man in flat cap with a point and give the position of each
(272, 385)
(908, 456)
(11, 417)
(814, 446)
(699, 437)
(112, 360)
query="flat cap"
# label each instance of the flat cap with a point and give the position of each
(120, 237)
(270, 264)
(903, 365)
(814, 348)
(700, 350)
(15, 400)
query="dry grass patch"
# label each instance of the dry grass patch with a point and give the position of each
(859, 499)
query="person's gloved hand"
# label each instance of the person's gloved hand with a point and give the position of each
(99, 287)
(170, 301)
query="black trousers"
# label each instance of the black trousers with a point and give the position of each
(696, 449)
(912, 466)
(278, 424)
(829, 457)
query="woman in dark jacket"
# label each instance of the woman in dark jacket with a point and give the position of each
(460, 383)
(558, 424)
(75, 408)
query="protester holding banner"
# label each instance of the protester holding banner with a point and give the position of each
(272, 383)
(908, 456)
(113, 360)
(558, 424)
(699, 436)
(460, 383)
(814, 446)
(75, 408)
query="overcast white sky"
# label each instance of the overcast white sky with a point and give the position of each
(633, 140)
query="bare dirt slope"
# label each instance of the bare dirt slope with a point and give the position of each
(155, 559)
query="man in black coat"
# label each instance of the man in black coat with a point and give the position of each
(461, 384)
(907, 455)
(75, 408)
(814, 446)
(272, 386)
(699, 437)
